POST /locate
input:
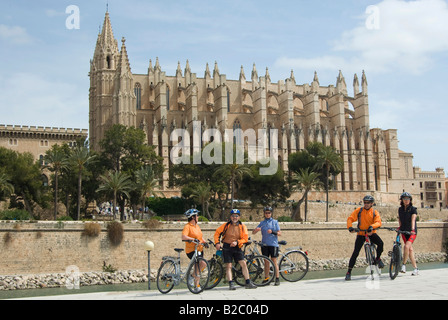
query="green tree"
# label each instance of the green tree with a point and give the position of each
(125, 149)
(25, 175)
(79, 159)
(6, 188)
(116, 183)
(328, 160)
(234, 173)
(146, 184)
(304, 181)
(201, 195)
(57, 160)
(264, 189)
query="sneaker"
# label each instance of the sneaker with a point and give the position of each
(403, 269)
(415, 272)
(379, 263)
(250, 285)
(232, 286)
(348, 276)
(277, 282)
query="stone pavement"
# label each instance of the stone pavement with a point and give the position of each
(428, 285)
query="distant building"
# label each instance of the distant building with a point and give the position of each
(37, 140)
(432, 188)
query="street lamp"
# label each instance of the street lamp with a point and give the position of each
(149, 246)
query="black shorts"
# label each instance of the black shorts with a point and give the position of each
(191, 254)
(269, 251)
(230, 253)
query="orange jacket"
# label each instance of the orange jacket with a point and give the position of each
(367, 219)
(244, 234)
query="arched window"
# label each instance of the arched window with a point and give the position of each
(138, 95)
(237, 135)
(167, 98)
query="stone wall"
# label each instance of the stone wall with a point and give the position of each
(49, 247)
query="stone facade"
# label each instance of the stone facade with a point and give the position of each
(159, 103)
(37, 140)
(49, 247)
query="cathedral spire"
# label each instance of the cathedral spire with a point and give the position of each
(106, 50)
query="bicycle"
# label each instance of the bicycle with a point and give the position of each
(396, 258)
(293, 265)
(170, 273)
(216, 268)
(256, 266)
(370, 249)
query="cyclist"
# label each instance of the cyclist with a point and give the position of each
(234, 235)
(192, 231)
(270, 230)
(407, 218)
(368, 219)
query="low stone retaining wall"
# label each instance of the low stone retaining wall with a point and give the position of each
(56, 280)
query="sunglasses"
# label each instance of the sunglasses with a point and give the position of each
(368, 202)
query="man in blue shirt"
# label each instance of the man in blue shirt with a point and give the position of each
(270, 230)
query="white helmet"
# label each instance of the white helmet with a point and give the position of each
(191, 212)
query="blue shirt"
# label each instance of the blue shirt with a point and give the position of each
(269, 239)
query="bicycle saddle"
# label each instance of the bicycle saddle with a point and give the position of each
(283, 242)
(178, 249)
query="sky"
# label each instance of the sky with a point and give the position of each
(46, 47)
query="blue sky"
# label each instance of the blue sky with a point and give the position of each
(401, 45)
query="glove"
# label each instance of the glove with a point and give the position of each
(350, 229)
(369, 229)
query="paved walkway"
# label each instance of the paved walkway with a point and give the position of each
(429, 285)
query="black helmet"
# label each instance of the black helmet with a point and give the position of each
(368, 198)
(267, 209)
(406, 194)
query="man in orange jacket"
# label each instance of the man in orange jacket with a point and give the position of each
(368, 219)
(234, 235)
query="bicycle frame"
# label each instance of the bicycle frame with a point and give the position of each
(370, 250)
(395, 254)
(177, 275)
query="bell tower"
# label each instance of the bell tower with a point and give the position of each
(103, 67)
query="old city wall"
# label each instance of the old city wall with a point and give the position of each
(49, 247)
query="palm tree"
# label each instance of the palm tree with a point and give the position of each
(5, 186)
(115, 183)
(80, 157)
(328, 159)
(146, 183)
(235, 172)
(58, 161)
(304, 181)
(202, 194)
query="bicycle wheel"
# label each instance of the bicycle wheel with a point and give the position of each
(370, 259)
(261, 270)
(216, 274)
(237, 274)
(294, 266)
(395, 262)
(165, 276)
(198, 273)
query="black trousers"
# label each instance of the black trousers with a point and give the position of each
(374, 238)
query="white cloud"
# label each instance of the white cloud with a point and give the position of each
(14, 34)
(408, 33)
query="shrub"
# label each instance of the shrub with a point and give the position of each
(115, 232)
(151, 224)
(91, 229)
(166, 206)
(15, 214)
